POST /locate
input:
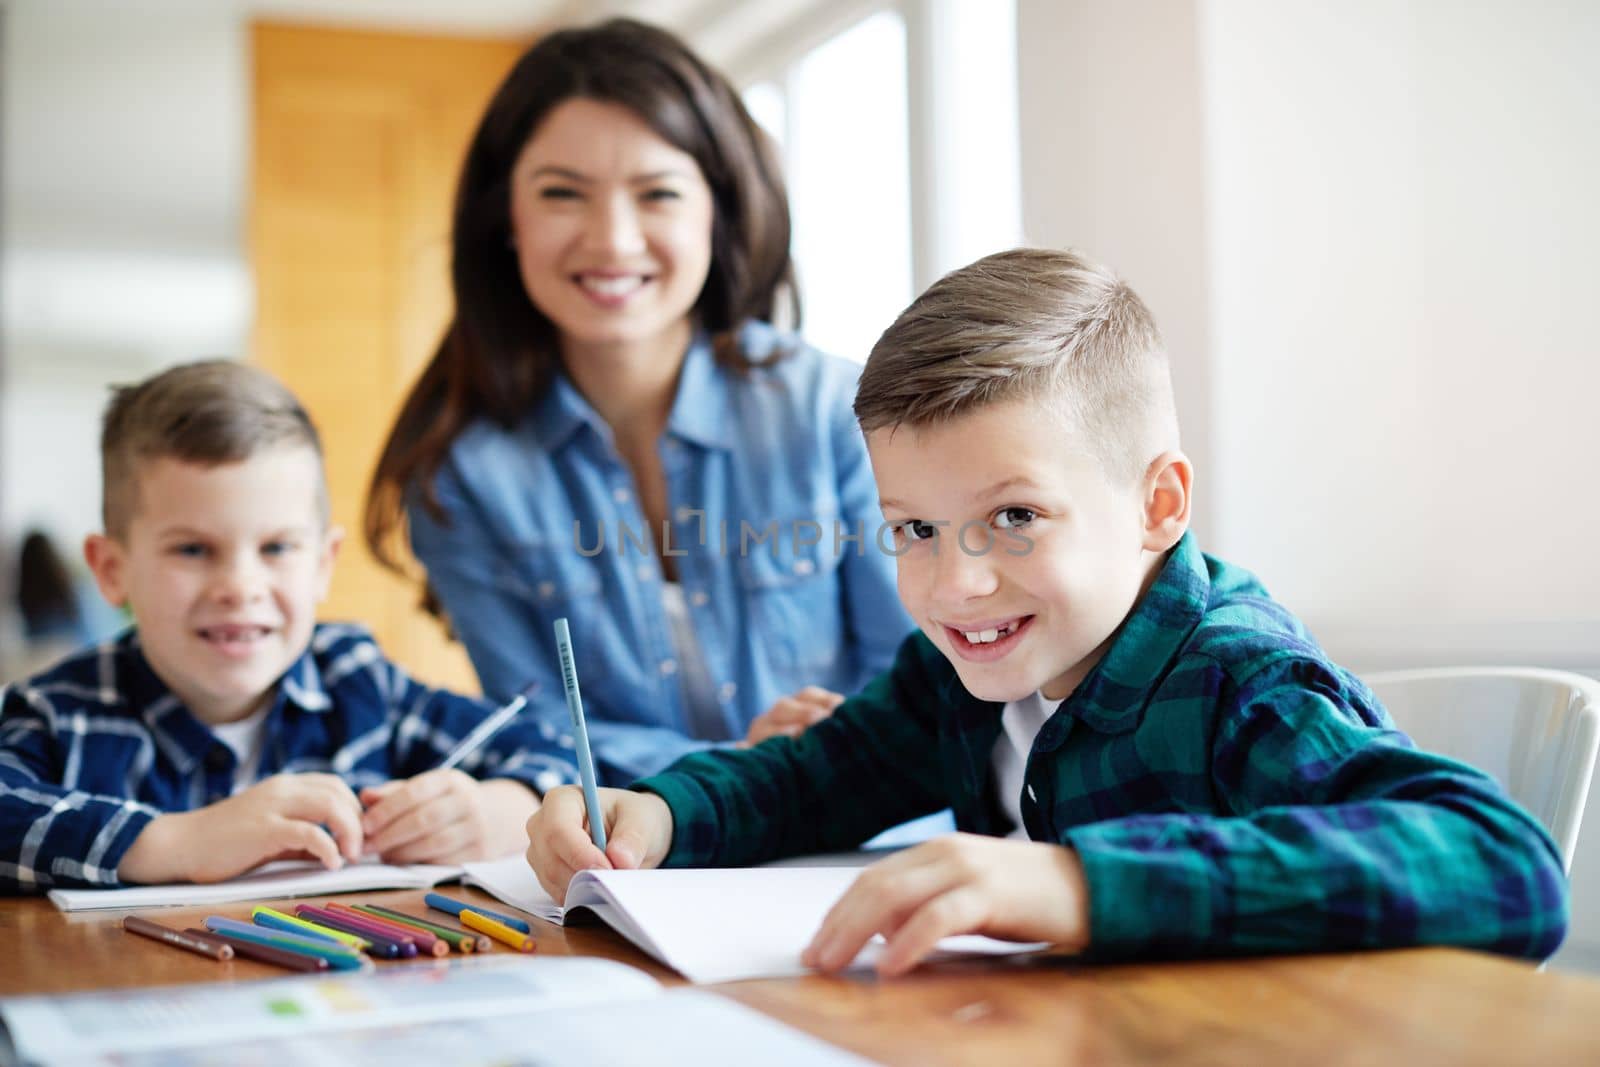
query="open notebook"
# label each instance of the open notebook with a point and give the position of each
(708, 925)
(268, 882)
(475, 1012)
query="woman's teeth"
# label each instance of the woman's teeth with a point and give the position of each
(611, 286)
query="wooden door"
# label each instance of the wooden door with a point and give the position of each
(357, 140)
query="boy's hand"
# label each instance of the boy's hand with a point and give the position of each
(282, 817)
(638, 834)
(792, 715)
(959, 884)
(445, 816)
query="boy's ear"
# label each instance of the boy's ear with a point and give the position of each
(108, 561)
(330, 551)
(1167, 489)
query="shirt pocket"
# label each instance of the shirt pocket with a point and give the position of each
(791, 590)
(548, 574)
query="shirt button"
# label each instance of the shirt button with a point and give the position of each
(669, 666)
(547, 589)
(685, 513)
(804, 566)
(218, 759)
(646, 572)
(726, 691)
(620, 495)
(699, 598)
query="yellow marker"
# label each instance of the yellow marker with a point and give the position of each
(293, 924)
(498, 930)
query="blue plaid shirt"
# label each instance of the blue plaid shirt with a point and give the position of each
(96, 747)
(1226, 787)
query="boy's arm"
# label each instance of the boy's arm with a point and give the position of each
(50, 835)
(874, 763)
(429, 722)
(508, 650)
(1344, 836)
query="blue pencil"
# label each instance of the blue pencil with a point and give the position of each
(440, 902)
(338, 958)
(580, 734)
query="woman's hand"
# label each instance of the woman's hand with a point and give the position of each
(958, 884)
(791, 716)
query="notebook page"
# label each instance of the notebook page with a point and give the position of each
(267, 882)
(749, 922)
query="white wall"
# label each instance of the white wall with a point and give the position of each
(1368, 230)
(122, 176)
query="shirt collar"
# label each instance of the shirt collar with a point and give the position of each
(699, 409)
(183, 738)
(1112, 697)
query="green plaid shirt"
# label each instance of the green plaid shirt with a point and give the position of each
(1227, 788)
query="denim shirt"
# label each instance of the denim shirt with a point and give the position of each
(768, 488)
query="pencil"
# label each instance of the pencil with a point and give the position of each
(383, 946)
(461, 940)
(427, 943)
(497, 930)
(277, 920)
(278, 957)
(580, 734)
(452, 906)
(204, 944)
(338, 957)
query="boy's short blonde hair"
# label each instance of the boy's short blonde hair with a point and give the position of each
(210, 413)
(1032, 324)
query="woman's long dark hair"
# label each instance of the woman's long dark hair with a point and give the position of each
(499, 351)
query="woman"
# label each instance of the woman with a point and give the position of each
(613, 431)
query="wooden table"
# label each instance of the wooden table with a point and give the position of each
(1415, 1007)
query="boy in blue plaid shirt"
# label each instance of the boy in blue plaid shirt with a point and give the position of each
(1148, 755)
(228, 728)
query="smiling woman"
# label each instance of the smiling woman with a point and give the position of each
(612, 376)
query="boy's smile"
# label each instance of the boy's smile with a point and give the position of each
(222, 567)
(1019, 556)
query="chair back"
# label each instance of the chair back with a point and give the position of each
(1534, 731)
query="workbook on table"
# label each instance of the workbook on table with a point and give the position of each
(270, 881)
(473, 1012)
(710, 925)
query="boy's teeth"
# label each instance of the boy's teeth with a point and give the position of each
(984, 637)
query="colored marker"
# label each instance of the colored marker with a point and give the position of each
(278, 957)
(441, 902)
(427, 944)
(580, 734)
(338, 957)
(277, 920)
(383, 946)
(460, 940)
(204, 945)
(497, 930)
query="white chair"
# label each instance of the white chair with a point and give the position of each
(1534, 731)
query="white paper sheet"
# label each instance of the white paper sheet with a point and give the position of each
(710, 925)
(268, 882)
(163, 1021)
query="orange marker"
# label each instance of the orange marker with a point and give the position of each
(498, 930)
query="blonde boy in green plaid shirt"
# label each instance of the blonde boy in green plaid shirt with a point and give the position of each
(1179, 768)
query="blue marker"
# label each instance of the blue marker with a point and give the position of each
(440, 902)
(580, 734)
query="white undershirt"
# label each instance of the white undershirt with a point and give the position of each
(1021, 721)
(245, 738)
